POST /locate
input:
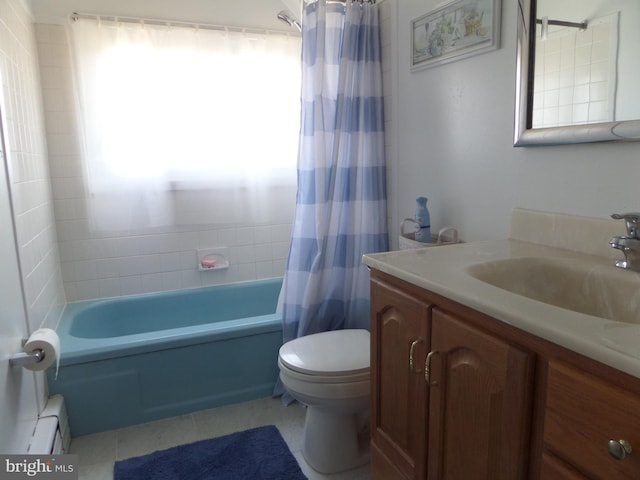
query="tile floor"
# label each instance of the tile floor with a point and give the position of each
(98, 452)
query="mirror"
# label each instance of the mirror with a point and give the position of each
(576, 72)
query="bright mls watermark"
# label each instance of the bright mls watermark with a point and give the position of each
(50, 467)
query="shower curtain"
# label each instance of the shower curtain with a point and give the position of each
(341, 199)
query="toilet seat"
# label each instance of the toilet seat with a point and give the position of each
(315, 378)
(339, 356)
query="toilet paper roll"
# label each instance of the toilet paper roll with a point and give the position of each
(48, 341)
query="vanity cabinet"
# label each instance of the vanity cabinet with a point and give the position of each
(458, 395)
(449, 400)
(399, 339)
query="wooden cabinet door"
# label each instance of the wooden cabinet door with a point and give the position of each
(399, 330)
(480, 408)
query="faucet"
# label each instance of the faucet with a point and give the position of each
(629, 244)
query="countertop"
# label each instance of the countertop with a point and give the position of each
(443, 270)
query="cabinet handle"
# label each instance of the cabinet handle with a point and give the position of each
(619, 449)
(427, 367)
(412, 367)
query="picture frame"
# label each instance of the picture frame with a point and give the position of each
(455, 30)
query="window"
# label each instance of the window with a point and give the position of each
(168, 109)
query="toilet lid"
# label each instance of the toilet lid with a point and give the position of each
(339, 352)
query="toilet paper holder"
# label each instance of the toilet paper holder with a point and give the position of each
(26, 358)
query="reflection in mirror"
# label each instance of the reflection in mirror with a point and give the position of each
(577, 71)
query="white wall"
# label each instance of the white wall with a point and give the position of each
(18, 395)
(388, 40)
(453, 144)
(36, 275)
(245, 13)
(28, 166)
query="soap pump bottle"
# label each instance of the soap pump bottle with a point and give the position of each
(423, 220)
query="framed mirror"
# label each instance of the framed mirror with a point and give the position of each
(577, 74)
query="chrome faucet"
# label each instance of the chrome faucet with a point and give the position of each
(629, 244)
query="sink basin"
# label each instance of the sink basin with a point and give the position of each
(588, 287)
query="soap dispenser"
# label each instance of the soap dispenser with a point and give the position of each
(423, 220)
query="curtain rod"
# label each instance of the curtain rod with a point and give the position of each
(344, 2)
(176, 23)
(562, 23)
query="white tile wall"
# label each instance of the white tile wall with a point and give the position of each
(575, 78)
(28, 166)
(98, 265)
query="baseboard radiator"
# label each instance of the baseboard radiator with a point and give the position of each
(52, 434)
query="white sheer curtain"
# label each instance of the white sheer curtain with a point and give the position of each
(175, 115)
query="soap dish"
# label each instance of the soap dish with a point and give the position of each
(214, 258)
(213, 261)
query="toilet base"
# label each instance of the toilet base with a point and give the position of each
(335, 441)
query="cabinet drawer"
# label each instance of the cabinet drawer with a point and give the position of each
(554, 469)
(582, 414)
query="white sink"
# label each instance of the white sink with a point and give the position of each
(592, 288)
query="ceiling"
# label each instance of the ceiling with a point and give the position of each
(241, 13)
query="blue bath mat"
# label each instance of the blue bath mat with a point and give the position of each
(256, 454)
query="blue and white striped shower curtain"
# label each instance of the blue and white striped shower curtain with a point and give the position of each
(341, 201)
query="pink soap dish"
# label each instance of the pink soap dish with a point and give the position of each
(209, 262)
(213, 261)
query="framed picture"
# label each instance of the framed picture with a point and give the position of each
(455, 30)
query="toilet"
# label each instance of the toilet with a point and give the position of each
(329, 373)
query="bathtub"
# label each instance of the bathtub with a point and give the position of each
(134, 359)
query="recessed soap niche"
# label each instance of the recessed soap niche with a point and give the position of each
(214, 258)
